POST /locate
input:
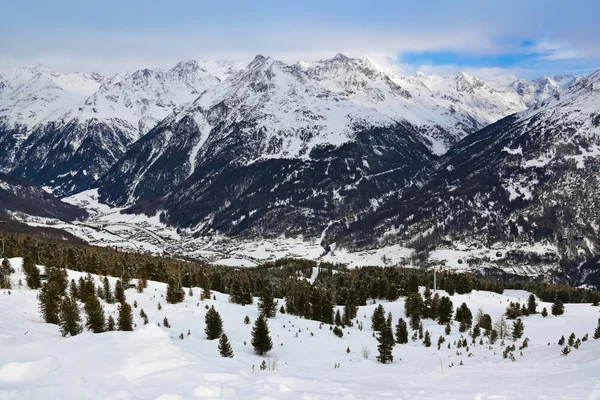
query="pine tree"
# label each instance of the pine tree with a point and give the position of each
(7, 269)
(571, 341)
(214, 324)
(125, 318)
(531, 304)
(32, 273)
(267, 304)
(246, 320)
(518, 328)
(261, 341)
(561, 341)
(401, 332)
(558, 308)
(73, 290)
(70, 319)
(225, 349)
(597, 331)
(108, 296)
(378, 318)
(119, 292)
(95, 320)
(445, 310)
(464, 316)
(448, 329)
(49, 302)
(386, 342)
(427, 340)
(544, 312)
(338, 318)
(175, 294)
(110, 324)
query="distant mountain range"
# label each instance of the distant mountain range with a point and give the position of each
(339, 149)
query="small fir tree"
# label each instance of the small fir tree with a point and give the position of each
(544, 312)
(31, 271)
(531, 304)
(125, 318)
(518, 329)
(166, 322)
(225, 349)
(246, 320)
(108, 295)
(448, 329)
(561, 341)
(49, 302)
(267, 304)
(175, 293)
(445, 310)
(261, 340)
(95, 320)
(214, 324)
(558, 307)
(597, 331)
(110, 324)
(427, 339)
(119, 292)
(401, 332)
(70, 319)
(386, 342)
(378, 318)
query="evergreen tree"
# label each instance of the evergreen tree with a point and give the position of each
(166, 322)
(485, 322)
(49, 302)
(558, 308)
(544, 312)
(561, 341)
(175, 294)
(445, 310)
(119, 292)
(6, 268)
(338, 318)
(386, 341)
(267, 304)
(378, 318)
(261, 341)
(518, 328)
(415, 320)
(214, 324)
(125, 318)
(401, 332)
(110, 324)
(73, 290)
(108, 296)
(225, 349)
(448, 329)
(427, 340)
(531, 304)
(70, 319)
(31, 271)
(95, 320)
(60, 277)
(464, 316)
(571, 341)
(597, 331)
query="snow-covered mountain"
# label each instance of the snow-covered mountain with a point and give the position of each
(21, 197)
(538, 90)
(66, 130)
(268, 151)
(529, 178)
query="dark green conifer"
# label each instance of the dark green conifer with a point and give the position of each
(108, 296)
(175, 293)
(261, 341)
(401, 332)
(214, 324)
(378, 318)
(225, 349)
(597, 330)
(70, 319)
(558, 308)
(518, 329)
(267, 304)
(544, 312)
(95, 320)
(427, 339)
(125, 318)
(445, 310)
(49, 302)
(110, 324)
(386, 341)
(31, 271)
(119, 292)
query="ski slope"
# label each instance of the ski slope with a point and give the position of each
(153, 363)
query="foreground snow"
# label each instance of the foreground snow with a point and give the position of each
(153, 363)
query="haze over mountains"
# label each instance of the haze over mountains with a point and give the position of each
(339, 149)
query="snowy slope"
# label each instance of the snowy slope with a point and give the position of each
(152, 363)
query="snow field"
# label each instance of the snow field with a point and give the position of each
(153, 363)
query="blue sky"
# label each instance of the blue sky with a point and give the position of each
(525, 38)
